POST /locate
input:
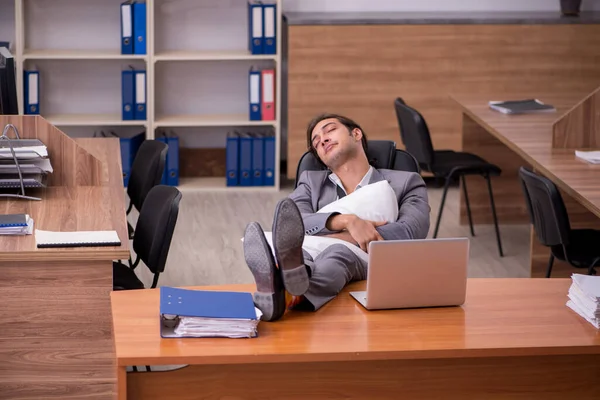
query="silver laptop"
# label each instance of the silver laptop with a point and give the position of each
(416, 273)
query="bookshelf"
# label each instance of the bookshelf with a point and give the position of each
(196, 66)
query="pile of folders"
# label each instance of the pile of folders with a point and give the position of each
(250, 159)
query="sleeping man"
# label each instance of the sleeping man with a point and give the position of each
(322, 231)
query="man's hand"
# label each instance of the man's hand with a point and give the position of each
(364, 232)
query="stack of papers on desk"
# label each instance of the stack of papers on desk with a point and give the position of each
(584, 297)
(521, 106)
(34, 163)
(201, 313)
(592, 157)
(16, 224)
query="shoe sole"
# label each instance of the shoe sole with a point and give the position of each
(288, 236)
(269, 296)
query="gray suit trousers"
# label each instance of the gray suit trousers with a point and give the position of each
(331, 271)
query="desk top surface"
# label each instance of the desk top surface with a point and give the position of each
(440, 18)
(74, 209)
(530, 136)
(501, 317)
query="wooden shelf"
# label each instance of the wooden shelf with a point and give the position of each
(90, 120)
(79, 55)
(202, 184)
(209, 120)
(211, 56)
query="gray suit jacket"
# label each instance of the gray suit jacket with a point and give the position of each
(315, 190)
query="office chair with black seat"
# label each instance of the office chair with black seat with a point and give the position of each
(146, 172)
(549, 217)
(382, 154)
(444, 164)
(152, 238)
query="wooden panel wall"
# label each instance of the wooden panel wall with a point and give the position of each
(72, 165)
(358, 70)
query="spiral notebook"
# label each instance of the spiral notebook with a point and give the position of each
(46, 239)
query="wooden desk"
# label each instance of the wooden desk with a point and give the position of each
(56, 337)
(513, 338)
(512, 141)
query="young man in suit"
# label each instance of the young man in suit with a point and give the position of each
(291, 278)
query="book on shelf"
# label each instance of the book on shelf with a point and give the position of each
(521, 106)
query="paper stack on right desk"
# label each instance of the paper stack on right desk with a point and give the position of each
(584, 297)
(205, 313)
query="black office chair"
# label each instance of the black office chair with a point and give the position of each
(146, 172)
(446, 164)
(152, 238)
(549, 217)
(382, 154)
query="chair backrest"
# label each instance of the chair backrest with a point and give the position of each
(155, 226)
(414, 133)
(382, 154)
(546, 209)
(146, 171)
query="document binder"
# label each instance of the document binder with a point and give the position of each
(128, 94)
(126, 28)
(270, 25)
(268, 94)
(139, 28)
(232, 158)
(140, 95)
(209, 313)
(269, 149)
(255, 27)
(245, 160)
(129, 149)
(173, 160)
(258, 160)
(254, 95)
(31, 81)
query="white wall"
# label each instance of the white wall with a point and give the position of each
(430, 5)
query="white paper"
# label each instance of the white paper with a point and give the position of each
(80, 237)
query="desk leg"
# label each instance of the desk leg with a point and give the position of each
(508, 196)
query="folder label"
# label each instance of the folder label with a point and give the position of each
(268, 88)
(257, 25)
(33, 88)
(254, 88)
(126, 22)
(140, 88)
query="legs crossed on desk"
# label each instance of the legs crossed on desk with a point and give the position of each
(333, 269)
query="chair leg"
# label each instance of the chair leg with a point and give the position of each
(550, 264)
(439, 217)
(464, 185)
(591, 270)
(489, 185)
(155, 280)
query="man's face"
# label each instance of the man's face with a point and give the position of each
(334, 143)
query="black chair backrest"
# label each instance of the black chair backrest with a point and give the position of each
(146, 171)
(155, 226)
(382, 154)
(414, 133)
(546, 209)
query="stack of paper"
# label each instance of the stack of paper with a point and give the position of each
(589, 156)
(34, 163)
(584, 297)
(16, 224)
(201, 313)
(521, 106)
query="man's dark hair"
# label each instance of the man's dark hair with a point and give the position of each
(347, 122)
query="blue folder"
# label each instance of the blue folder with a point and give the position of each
(206, 303)
(258, 160)
(31, 97)
(139, 28)
(254, 89)
(139, 112)
(270, 29)
(232, 158)
(126, 28)
(129, 148)
(173, 160)
(255, 27)
(245, 162)
(163, 180)
(269, 148)
(128, 94)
